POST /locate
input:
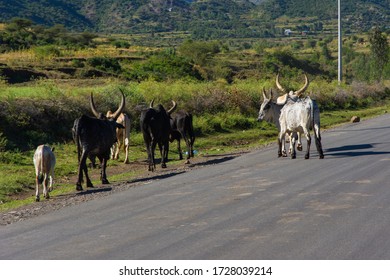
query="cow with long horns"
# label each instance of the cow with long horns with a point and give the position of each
(155, 127)
(94, 138)
(122, 135)
(292, 115)
(271, 112)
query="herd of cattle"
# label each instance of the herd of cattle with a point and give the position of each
(102, 136)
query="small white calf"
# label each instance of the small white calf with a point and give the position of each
(44, 162)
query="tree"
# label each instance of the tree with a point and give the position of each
(379, 51)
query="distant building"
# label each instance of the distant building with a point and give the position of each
(287, 32)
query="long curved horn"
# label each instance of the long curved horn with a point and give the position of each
(151, 103)
(121, 106)
(300, 91)
(264, 94)
(173, 108)
(93, 107)
(278, 84)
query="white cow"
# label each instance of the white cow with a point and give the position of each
(44, 162)
(294, 96)
(270, 112)
(298, 117)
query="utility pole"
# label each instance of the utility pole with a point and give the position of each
(340, 67)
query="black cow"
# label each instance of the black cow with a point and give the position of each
(94, 138)
(155, 127)
(181, 127)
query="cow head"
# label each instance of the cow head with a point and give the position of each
(265, 106)
(160, 107)
(291, 94)
(109, 115)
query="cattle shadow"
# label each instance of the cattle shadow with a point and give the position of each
(351, 128)
(214, 161)
(94, 190)
(354, 150)
(156, 177)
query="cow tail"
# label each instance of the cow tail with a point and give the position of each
(126, 131)
(40, 168)
(312, 115)
(77, 139)
(191, 126)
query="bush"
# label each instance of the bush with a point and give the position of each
(163, 66)
(48, 51)
(107, 64)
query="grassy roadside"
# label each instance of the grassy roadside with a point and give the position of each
(17, 175)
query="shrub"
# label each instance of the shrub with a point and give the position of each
(107, 64)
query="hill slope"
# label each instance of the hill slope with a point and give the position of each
(226, 17)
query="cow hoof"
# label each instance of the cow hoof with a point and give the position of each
(307, 156)
(293, 156)
(163, 165)
(37, 199)
(284, 154)
(187, 162)
(79, 188)
(321, 156)
(104, 182)
(50, 189)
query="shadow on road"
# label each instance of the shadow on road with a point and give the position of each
(95, 190)
(156, 177)
(354, 150)
(215, 161)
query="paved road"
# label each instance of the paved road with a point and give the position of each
(255, 206)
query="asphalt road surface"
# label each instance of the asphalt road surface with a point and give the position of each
(255, 206)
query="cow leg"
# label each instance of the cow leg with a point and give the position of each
(127, 144)
(284, 153)
(37, 188)
(103, 174)
(164, 154)
(118, 148)
(179, 149)
(317, 138)
(112, 150)
(299, 145)
(308, 138)
(83, 168)
(51, 178)
(319, 147)
(292, 146)
(280, 138)
(188, 144)
(192, 140)
(152, 148)
(45, 188)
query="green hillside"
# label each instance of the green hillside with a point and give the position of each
(203, 18)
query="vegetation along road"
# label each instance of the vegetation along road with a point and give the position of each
(255, 206)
